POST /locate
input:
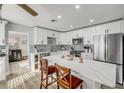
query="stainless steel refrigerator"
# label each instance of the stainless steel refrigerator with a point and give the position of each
(109, 48)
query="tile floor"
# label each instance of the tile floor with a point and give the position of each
(21, 77)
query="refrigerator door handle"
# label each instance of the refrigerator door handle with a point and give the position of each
(106, 50)
(105, 47)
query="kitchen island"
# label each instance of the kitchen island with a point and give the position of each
(93, 73)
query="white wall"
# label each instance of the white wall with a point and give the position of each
(21, 28)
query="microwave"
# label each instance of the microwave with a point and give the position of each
(77, 41)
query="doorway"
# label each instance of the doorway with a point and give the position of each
(18, 51)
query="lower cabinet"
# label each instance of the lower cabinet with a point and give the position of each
(2, 69)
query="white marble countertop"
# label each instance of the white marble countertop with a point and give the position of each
(103, 73)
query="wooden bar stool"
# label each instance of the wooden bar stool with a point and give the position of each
(66, 80)
(47, 71)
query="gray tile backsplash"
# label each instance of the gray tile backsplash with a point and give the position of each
(54, 48)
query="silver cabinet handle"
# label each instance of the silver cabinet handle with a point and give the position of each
(108, 31)
(3, 41)
(105, 31)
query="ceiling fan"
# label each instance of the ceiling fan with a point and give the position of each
(26, 8)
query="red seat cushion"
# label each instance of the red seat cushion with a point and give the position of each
(75, 81)
(51, 69)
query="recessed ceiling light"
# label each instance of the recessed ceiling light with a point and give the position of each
(91, 20)
(59, 16)
(77, 6)
(71, 26)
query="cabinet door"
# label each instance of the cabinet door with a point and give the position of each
(2, 34)
(58, 39)
(62, 38)
(114, 27)
(100, 29)
(88, 35)
(40, 37)
(68, 39)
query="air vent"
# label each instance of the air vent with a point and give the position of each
(53, 20)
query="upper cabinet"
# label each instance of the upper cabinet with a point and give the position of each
(66, 38)
(100, 29)
(114, 27)
(88, 34)
(58, 38)
(109, 28)
(2, 34)
(40, 36)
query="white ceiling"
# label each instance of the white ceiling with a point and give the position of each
(70, 16)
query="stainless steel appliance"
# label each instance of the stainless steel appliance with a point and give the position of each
(78, 41)
(109, 48)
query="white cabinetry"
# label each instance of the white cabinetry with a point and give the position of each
(66, 38)
(69, 36)
(109, 28)
(77, 33)
(114, 27)
(100, 29)
(2, 68)
(54, 35)
(2, 34)
(40, 36)
(88, 35)
(58, 39)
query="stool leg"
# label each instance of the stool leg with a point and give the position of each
(46, 81)
(41, 79)
(41, 86)
(57, 85)
(81, 86)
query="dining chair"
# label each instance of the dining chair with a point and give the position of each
(66, 80)
(46, 73)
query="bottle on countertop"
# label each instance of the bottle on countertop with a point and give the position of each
(82, 58)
